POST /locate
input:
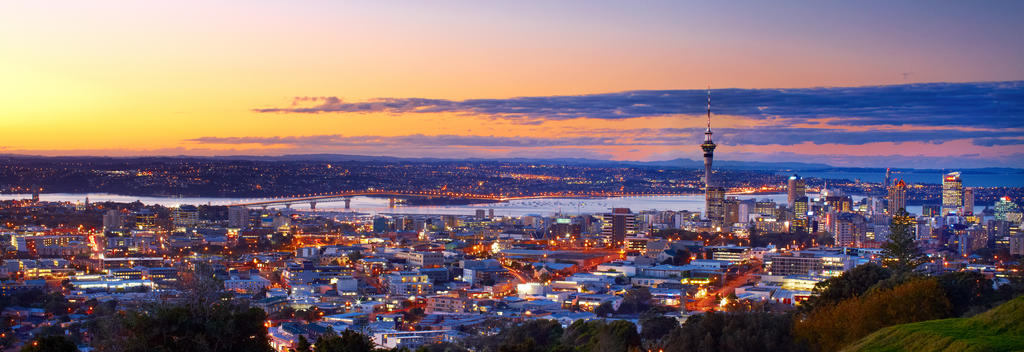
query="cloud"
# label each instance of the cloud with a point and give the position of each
(981, 105)
(649, 137)
(988, 142)
(412, 140)
(902, 161)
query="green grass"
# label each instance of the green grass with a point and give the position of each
(999, 329)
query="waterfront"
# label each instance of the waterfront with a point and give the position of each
(519, 207)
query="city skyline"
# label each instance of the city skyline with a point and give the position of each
(598, 80)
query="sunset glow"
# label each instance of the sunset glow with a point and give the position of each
(197, 78)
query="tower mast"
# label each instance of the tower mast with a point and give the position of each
(708, 146)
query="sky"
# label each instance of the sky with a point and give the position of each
(866, 83)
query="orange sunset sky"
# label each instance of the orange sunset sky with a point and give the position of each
(125, 78)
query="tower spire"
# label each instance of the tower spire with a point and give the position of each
(708, 146)
(709, 108)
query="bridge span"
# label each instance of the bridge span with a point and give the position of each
(346, 196)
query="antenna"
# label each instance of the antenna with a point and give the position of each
(709, 107)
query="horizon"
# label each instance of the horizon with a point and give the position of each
(318, 157)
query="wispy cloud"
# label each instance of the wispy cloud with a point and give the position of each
(640, 137)
(981, 105)
(411, 140)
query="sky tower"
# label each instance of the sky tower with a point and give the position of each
(714, 197)
(708, 146)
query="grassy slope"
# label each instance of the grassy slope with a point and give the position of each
(999, 329)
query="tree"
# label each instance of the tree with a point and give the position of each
(901, 253)
(355, 256)
(348, 341)
(202, 322)
(635, 301)
(532, 335)
(829, 328)
(604, 309)
(598, 335)
(302, 345)
(51, 343)
(967, 291)
(441, 347)
(852, 283)
(654, 326)
(715, 331)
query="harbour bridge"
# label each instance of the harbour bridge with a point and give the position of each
(346, 196)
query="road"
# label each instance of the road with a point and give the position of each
(709, 302)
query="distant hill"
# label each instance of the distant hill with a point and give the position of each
(674, 163)
(999, 329)
(679, 163)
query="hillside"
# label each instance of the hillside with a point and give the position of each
(999, 329)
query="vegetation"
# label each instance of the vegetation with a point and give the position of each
(999, 329)
(548, 335)
(832, 327)
(51, 343)
(850, 284)
(53, 303)
(222, 327)
(205, 320)
(901, 253)
(635, 301)
(348, 341)
(733, 332)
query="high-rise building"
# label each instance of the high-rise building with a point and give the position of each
(145, 219)
(618, 225)
(888, 178)
(113, 219)
(732, 211)
(839, 204)
(1007, 210)
(766, 207)
(952, 193)
(185, 216)
(747, 207)
(800, 208)
(897, 197)
(714, 196)
(968, 201)
(238, 217)
(796, 189)
(715, 201)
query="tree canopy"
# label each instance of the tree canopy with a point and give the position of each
(900, 253)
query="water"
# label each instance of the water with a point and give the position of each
(515, 208)
(371, 205)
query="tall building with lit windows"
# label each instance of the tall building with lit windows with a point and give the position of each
(618, 225)
(897, 197)
(796, 189)
(952, 193)
(968, 201)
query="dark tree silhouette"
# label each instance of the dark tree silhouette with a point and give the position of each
(901, 253)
